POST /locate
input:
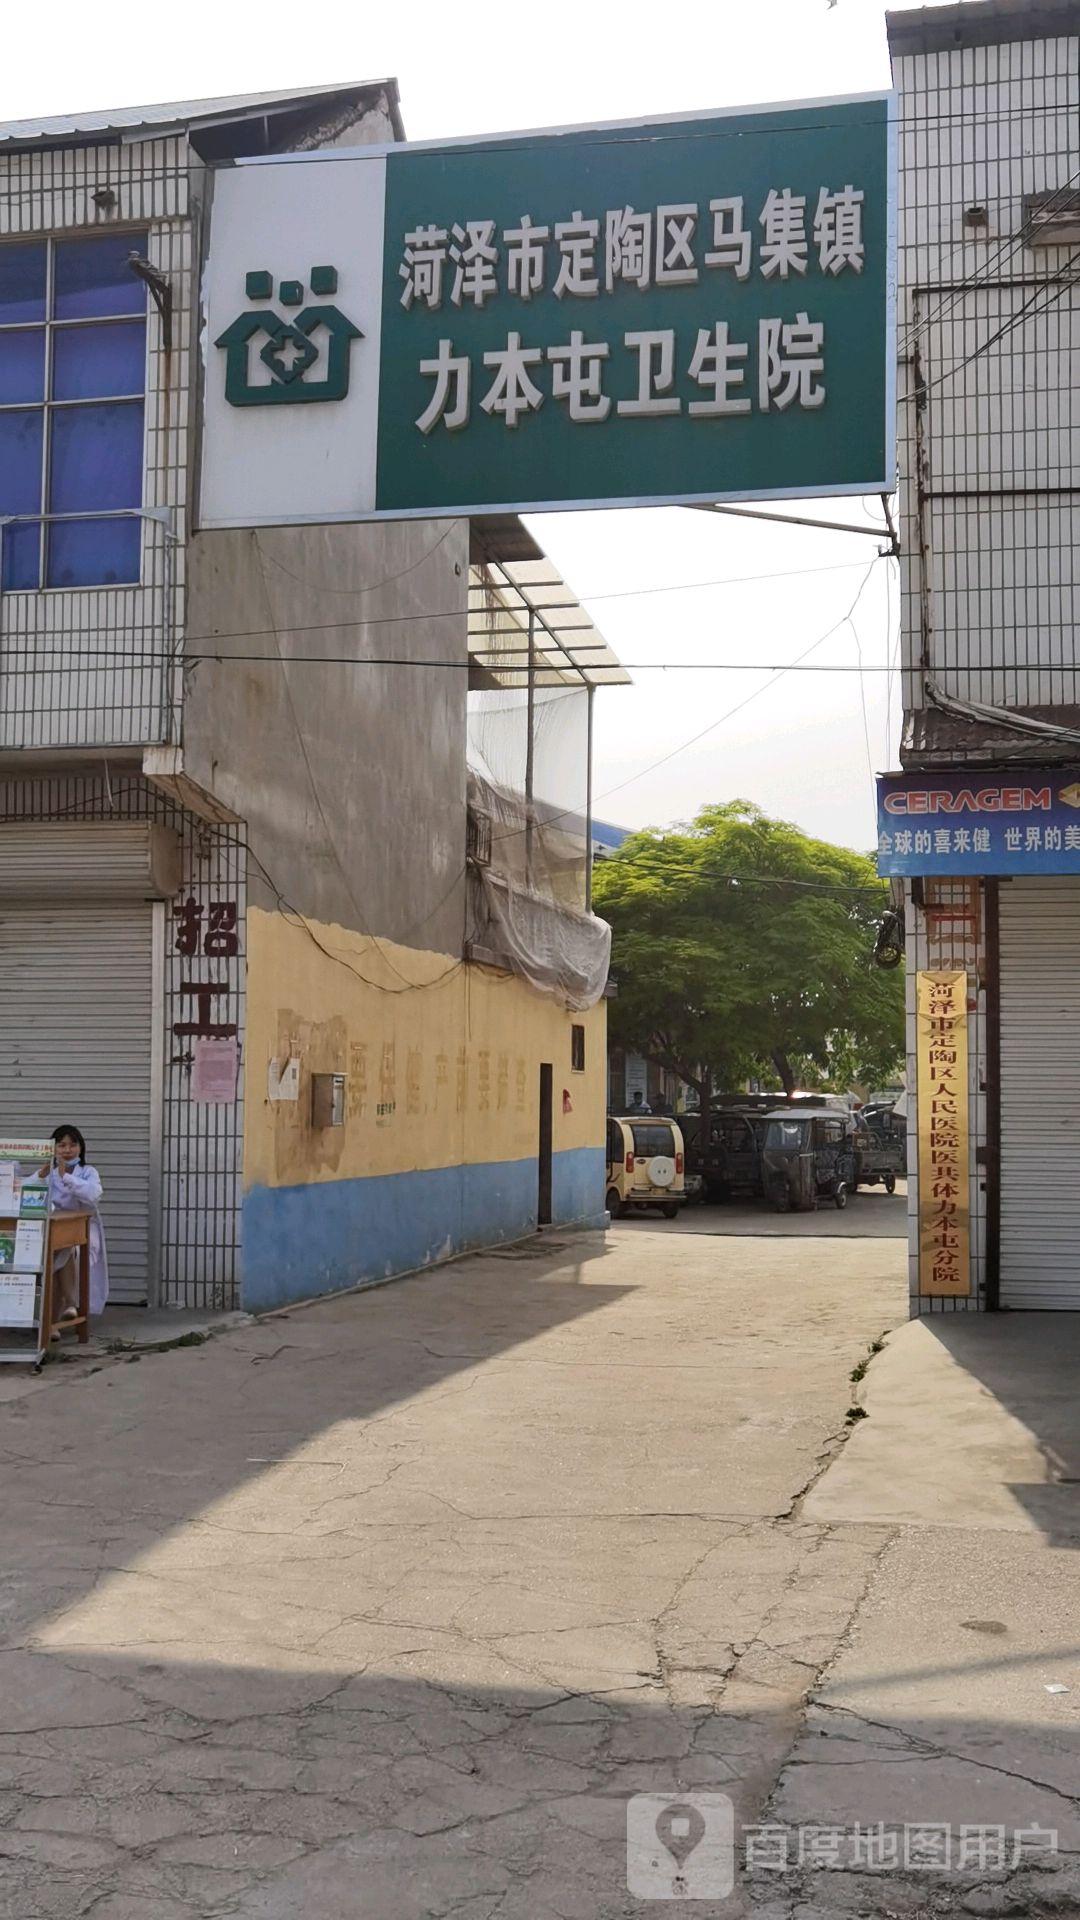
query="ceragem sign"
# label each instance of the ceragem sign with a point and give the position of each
(695, 309)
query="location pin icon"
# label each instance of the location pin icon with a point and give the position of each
(680, 1827)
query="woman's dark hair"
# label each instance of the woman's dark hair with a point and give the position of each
(72, 1134)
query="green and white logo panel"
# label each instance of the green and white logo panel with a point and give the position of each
(291, 331)
(693, 309)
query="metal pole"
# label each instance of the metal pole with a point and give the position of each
(786, 519)
(530, 716)
(588, 808)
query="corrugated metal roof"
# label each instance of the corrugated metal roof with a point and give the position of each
(179, 113)
(934, 738)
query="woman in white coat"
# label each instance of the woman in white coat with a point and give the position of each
(75, 1187)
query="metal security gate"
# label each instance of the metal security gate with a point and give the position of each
(76, 1044)
(1040, 1093)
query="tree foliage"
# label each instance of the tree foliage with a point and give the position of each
(744, 947)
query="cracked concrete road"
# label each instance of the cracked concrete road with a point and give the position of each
(385, 1607)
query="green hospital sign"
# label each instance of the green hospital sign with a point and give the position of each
(693, 309)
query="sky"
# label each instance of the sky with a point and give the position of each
(670, 584)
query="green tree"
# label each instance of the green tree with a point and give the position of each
(742, 946)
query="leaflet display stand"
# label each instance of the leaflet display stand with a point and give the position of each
(30, 1235)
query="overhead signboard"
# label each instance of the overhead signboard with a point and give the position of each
(1005, 820)
(693, 309)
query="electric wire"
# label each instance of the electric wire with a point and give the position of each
(1055, 288)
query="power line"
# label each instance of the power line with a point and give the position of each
(974, 671)
(569, 812)
(665, 868)
(468, 147)
(984, 279)
(1055, 288)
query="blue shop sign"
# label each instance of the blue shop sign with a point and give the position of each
(1000, 821)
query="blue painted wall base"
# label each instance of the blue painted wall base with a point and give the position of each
(320, 1238)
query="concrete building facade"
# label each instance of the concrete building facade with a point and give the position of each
(233, 855)
(989, 326)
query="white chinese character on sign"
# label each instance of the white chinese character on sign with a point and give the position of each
(875, 1848)
(675, 229)
(656, 372)
(512, 391)
(884, 844)
(982, 1848)
(766, 1849)
(627, 247)
(714, 367)
(821, 1846)
(577, 240)
(942, 840)
(422, 268)
(922, 842)
(902, 842)
(1033, 839)
(731, 242)
(475, 255)
(838, 230)
(525, 257)
(1072, 839)
(577, 372)
(450, 400)
(1012, 839)
(927, 1844)
(962, 840)
(789, 356)
(981, 839)
(784, 248)
(1052, 840)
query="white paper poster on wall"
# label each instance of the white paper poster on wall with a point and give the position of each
(214, 1068)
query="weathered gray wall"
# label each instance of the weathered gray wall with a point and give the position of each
(350, 779)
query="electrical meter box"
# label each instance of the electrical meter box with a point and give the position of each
(328, 1100)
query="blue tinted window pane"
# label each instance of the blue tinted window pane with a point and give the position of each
(22, 366)
(93, 553)
(92, 361)
(20, 492)
(92, 277)
(22, 284)
(96, 458)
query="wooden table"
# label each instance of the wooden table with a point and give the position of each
(68, 1230)
(65, 1230)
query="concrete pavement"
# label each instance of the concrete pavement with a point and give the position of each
(384, 1607)
(954, 1696)
(871, 1214)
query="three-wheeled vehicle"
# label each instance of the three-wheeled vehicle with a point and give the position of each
(807, 1155)
(883, 1151)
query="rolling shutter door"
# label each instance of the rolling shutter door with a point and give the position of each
(75, 1045)
(1040, 1093)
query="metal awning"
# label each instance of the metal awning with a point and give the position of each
(515, 591)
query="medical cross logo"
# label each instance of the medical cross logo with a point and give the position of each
(276, 373)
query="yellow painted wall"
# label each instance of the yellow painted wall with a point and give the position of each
(442, 1058)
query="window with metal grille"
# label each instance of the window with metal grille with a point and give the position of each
(577, 1049)
(72, 384)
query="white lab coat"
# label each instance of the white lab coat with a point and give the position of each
(80, 1192)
